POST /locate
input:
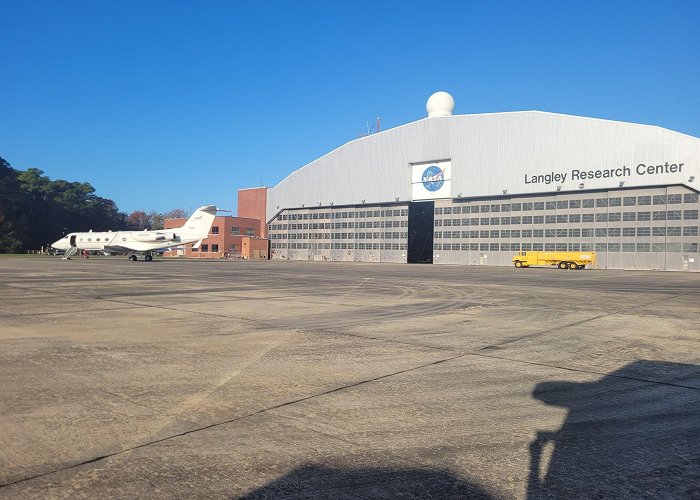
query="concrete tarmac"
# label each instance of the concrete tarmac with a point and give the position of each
(239, 379)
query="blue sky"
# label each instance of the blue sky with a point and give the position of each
(176, 104)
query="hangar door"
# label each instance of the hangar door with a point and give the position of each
(421, 216)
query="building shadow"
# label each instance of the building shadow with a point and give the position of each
(316, 482)
(635, 433)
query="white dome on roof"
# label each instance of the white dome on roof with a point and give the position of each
(440, 104)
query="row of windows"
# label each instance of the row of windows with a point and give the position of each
(339, 246)
(627, 201)
(361, 214)
(249, 231)
(568, 247)
(598, 232)
(572, 218)
(388, 235)
(338, 225)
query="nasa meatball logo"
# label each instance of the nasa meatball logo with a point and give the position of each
(433, 178)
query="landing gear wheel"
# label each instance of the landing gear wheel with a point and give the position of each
(148, 258)
(573, 265)
(133, 258)
(562, 265)
(518, 263)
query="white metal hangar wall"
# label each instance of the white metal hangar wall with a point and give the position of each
(474, 189)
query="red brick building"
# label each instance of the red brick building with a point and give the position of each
(239, 237)
(252, 203)
(225, 238)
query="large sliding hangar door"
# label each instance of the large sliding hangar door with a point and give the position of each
(421, 218)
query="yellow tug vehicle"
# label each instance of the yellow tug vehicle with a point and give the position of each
(563, 260)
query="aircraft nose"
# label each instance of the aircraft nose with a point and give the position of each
(60, 244)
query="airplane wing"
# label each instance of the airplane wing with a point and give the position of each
(125, 249)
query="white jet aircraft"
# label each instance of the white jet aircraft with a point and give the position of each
(141, 242)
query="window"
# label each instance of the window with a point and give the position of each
(561, 233)
(575, 204)
(658, 231)
(601, 232)
(601, 217)
(629, 201)
(601, 247)
(562, 204)
(628, 247)
(674, 199)
(550, 233)
(214, 247)
(550, 205)
(614, 202)
(249, 231)
(690, 247)
(644, 200)
(587, 203)
(204, 247)
(629, 216)
(690, 214)
(690, 231)
(643, 231)
(538, 205)
(659, 215)
(614, 232)
(690, 198)
(574, 233)
(587, 233)
(641, 216)
(643, 247)
(505, 207)
(587, 217)
(659, 199)
(562, 219)
(237, 230)
(629, 231)
(601, 202)
(574, 218)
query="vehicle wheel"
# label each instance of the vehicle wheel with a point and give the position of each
(133, 258)
(148, 258)
(573, 265)
(518, 263)
(562, 265)
(582, 266)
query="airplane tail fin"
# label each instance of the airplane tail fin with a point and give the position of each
(199, 223)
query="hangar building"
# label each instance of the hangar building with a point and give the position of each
(475, 189)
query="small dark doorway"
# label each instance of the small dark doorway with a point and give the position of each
(72, 240)
(421, 216)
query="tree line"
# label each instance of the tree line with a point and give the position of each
(35, 210)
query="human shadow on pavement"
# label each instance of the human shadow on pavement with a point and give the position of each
(635, 433)
(313, 481)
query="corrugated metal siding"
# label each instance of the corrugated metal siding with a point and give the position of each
(490, 153)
